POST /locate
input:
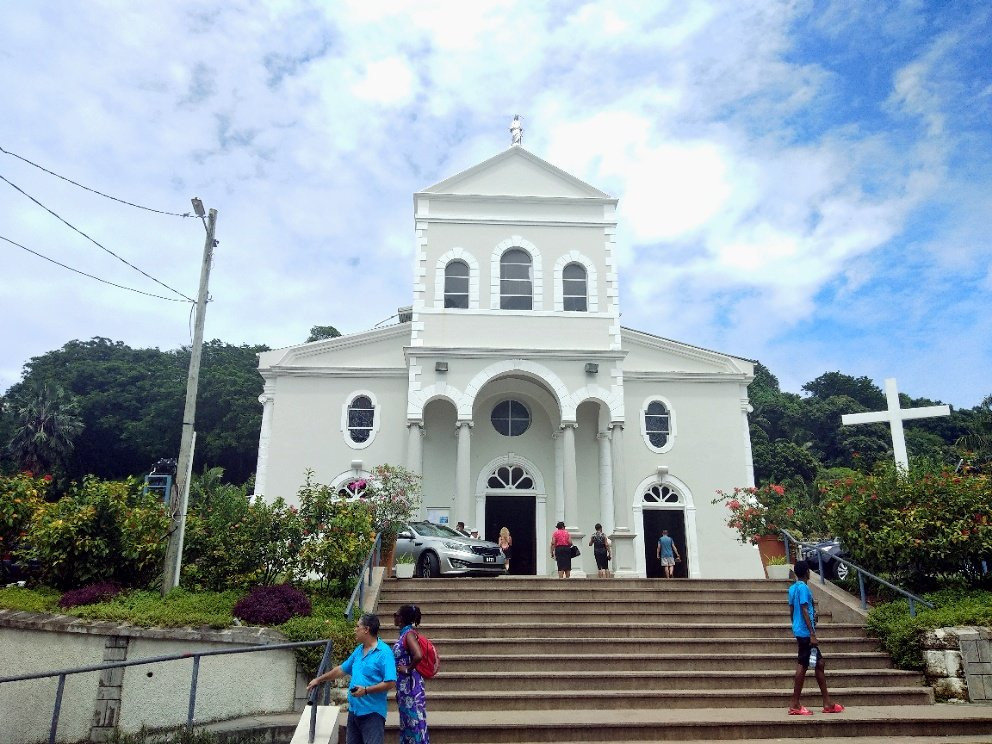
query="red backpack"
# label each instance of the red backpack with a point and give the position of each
(429, 664)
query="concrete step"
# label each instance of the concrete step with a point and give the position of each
(592, 680)
(660, 663)
(548, 583)
(611, 646)
(580, 612)
(613, 700)
(593, 632)
(686, 593)
(901, 724)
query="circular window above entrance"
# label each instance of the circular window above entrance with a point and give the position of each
(511, 418)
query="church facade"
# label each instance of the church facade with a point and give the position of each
(511, 386)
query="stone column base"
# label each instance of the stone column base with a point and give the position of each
(624, 563)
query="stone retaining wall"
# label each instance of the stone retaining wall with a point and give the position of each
(959, 663)
(155, 695)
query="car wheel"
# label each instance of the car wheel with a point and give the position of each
(428, 568)
(841, 570)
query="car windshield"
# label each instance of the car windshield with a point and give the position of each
(429, 529)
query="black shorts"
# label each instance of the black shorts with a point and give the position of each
(804, 647)
(602, 562)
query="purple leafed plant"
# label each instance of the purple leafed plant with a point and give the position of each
(90, 594)
(272, 605)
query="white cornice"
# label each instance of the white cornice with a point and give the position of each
(732, 363)
(465, 352)
(361, 372)
(515, 199)
(500, 313)
(515, 221)
(734, 377)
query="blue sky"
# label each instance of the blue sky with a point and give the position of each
(803, 183)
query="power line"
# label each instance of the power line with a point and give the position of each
(99, 193)
(96, 243)
(91, 276)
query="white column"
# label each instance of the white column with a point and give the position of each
(570, 478)
(559, 478)
(749, 461)
(463, 474)
(623, 538)
(621, 509)
(267, 399)
(605, 482)
(414, 448)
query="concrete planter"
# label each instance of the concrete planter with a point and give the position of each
(404, 570)
(778, 572)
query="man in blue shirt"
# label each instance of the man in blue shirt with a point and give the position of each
(667, 553)
(804, 628)
(372, 668)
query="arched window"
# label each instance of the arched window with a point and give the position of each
(516, 280)
(510, 476)
(510, 418)
(574, 292)
(658, 424)
(661, 494)
(361, 419)
(456, 285)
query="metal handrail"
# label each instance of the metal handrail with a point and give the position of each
(861, 572)
(373, 560)
(195, 655)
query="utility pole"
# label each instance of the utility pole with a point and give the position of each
(184, 469)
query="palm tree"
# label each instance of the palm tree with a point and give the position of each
(46, 424)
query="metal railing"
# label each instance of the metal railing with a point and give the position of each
(373, 560)
(196, 656)
(861, 573)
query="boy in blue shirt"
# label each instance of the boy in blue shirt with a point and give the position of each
(372, 667)
(803, 626)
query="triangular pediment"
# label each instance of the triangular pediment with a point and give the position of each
(516, 172)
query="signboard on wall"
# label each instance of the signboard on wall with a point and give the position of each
(438, 515)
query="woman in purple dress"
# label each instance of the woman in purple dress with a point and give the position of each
(410, 697)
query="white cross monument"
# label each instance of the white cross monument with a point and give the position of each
(895, 416)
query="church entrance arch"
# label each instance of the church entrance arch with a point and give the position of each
(666, 504)
(511, 494)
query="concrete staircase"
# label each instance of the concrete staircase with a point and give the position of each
(535, 659)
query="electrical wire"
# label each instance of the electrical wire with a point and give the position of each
(91, 276)
(96, 243)
(99, 193)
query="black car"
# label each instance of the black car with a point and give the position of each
(831, 550)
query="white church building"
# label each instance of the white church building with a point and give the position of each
(513, 389)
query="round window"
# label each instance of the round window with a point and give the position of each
(511, 418)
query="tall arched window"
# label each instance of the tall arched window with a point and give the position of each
(361, 419)
(657, 425)
(574, 292)
(456, 285)
(516, 281)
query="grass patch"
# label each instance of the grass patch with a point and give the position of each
(181, 736)
(30, 600)
(902, 635)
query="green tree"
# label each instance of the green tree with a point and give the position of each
(46, 424)
(860, 389)
(319, 333)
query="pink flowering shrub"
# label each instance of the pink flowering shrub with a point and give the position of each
(272, 605)
(758, 511)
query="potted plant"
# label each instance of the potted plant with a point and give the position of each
(759, 514)
(404, 566)
(778, 567)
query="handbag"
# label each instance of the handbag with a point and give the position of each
(575, 551)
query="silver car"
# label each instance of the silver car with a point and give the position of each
(438, 550)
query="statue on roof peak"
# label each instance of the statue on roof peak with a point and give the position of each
(516, 131)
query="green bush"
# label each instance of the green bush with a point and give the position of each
(99, 531)
(916, 527)
(20, 497)
(327, 621)
(43, 599)
(337, 534)
(902, 635)
(179, 609)
(233, 539)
